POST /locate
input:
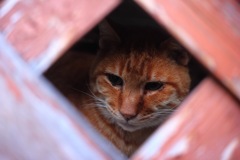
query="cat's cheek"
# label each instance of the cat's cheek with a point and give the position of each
(157, 99)
(107, 92)
(102, 85)
(184, 82)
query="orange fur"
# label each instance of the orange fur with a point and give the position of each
(127, 113)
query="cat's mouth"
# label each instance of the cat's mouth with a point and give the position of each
(128, 127)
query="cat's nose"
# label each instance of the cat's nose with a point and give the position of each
(127, 117)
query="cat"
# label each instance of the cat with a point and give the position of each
(136, 81)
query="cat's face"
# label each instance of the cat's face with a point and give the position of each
(136, 90)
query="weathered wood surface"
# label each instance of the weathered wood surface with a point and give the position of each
(41, 30)
(38, 123)
(205, 127)
(210, 30)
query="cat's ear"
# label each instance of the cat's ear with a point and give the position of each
(176, 52)
(107, 36)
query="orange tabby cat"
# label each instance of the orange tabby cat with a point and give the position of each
(135, 83)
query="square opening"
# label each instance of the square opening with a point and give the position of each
(122, 33)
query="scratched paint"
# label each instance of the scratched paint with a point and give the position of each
(231, 13)
(229, 149)
(7, 6)
(150, 5)
(50, 54)
(236, 81)
(178, 149)
(13, 20)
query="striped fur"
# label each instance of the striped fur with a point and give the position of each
(137, 64)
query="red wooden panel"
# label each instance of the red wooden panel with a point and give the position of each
(205, 127)
(41, 30)
(37, 123)
(210, 30)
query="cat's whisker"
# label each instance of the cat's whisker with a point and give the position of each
(91, 91)
(97, 101)
(92, 96)
(163, 113)
(93, 103)
(88, 86)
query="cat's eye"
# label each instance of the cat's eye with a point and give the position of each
(153, 86)
(115, 80)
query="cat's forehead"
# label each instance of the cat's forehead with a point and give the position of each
(136, 66)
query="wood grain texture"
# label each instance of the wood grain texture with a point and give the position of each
(210, 30)
(41, 30)
(205, 127)
(37, 122)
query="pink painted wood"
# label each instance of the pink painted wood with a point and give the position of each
(42, 30)
(37, 122)
(205, 127)
(210, 30)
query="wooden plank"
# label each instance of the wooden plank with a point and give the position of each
(205, 127)
(37, 122)
(210, 30)
(42, 30)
